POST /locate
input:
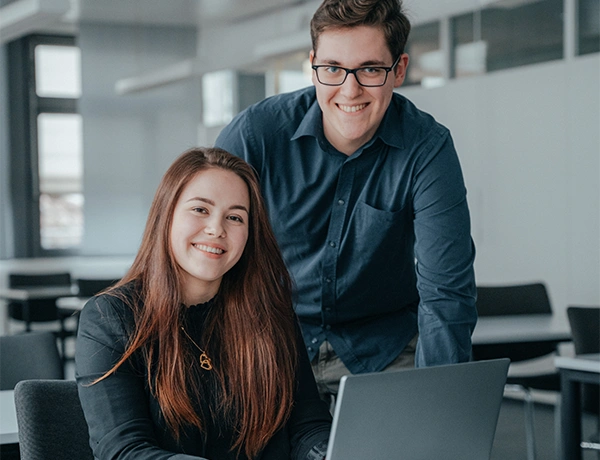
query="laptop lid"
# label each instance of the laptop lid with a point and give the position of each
(448, 412)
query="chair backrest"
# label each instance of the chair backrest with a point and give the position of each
(40, 310)
(517, 299)
(585, 329)
(16, 280)
(31, 355)
(89, 287)
(50, 420)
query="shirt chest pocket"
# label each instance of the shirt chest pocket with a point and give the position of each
(379, 233)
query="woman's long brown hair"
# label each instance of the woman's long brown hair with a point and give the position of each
(255, 324)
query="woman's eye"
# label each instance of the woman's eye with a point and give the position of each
(200, 210)
(236, 219)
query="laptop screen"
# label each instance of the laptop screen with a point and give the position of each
(445, 412)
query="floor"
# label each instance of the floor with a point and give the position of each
(509, 443)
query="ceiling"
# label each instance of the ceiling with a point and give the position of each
(20, 17)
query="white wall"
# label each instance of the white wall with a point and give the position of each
(129, 141)
(529, 143)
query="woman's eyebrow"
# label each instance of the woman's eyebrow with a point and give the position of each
(212, 203)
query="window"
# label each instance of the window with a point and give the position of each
(426, 59)
(588, 26)
(522, 33)
(46, 145)
(470, 50)
(217, 98)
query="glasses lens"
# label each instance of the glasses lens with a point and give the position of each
(331, 75)
(371, 76)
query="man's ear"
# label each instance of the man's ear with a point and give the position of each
(400, 70)
(311, 56)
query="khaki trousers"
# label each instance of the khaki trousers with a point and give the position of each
(329, 368)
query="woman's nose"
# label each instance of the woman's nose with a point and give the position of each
(214, 228)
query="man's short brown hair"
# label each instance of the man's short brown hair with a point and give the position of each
(384, 14)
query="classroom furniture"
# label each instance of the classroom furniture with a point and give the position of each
(9, 434)
(50, 421)
(32, 298)
(585, 328)
(88, 287)
(574, 371)
(521, 301)
(30, 355)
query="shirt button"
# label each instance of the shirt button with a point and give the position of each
(314, 340)
(328, 327)
(341, 202)
(332, 244)
(328, 280)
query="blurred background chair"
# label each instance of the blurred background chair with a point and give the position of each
(521, 299)
(585, 328)
(42, 310)
(88, 287)
(31, 355)
(51, 421)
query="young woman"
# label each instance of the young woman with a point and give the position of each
(196, 352)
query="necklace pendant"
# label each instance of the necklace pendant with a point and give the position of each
(205, 362)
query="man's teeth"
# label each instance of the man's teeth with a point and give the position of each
(210, 249)
(352, 108)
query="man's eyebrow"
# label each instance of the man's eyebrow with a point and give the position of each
(212, 203)
(371, 62)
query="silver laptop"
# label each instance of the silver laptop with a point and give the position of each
(445, 412)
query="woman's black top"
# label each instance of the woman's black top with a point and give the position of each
(125, 420)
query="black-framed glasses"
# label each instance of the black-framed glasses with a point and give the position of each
(333, 75)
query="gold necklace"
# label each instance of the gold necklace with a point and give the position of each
(205, 362)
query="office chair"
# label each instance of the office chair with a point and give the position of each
(521, 299)
(585, 328)
(31, 355)
(89, 287)
(50, 420)
(42, 310)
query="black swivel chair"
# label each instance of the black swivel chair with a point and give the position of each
(50, 420)
(31, 355)
(42, 310)
(89, 287)
(521, 299)
(585, 328)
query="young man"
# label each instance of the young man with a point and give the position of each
(367, 200)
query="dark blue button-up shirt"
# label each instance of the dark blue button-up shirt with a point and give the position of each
(378, 242)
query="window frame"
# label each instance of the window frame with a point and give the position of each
(24, 107)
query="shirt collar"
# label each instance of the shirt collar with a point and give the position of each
(390, 131)
(312, 123)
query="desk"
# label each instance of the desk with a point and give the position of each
(494, 330)
(574, 372)
(72, 303)
(24, 295)
(9, 434)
